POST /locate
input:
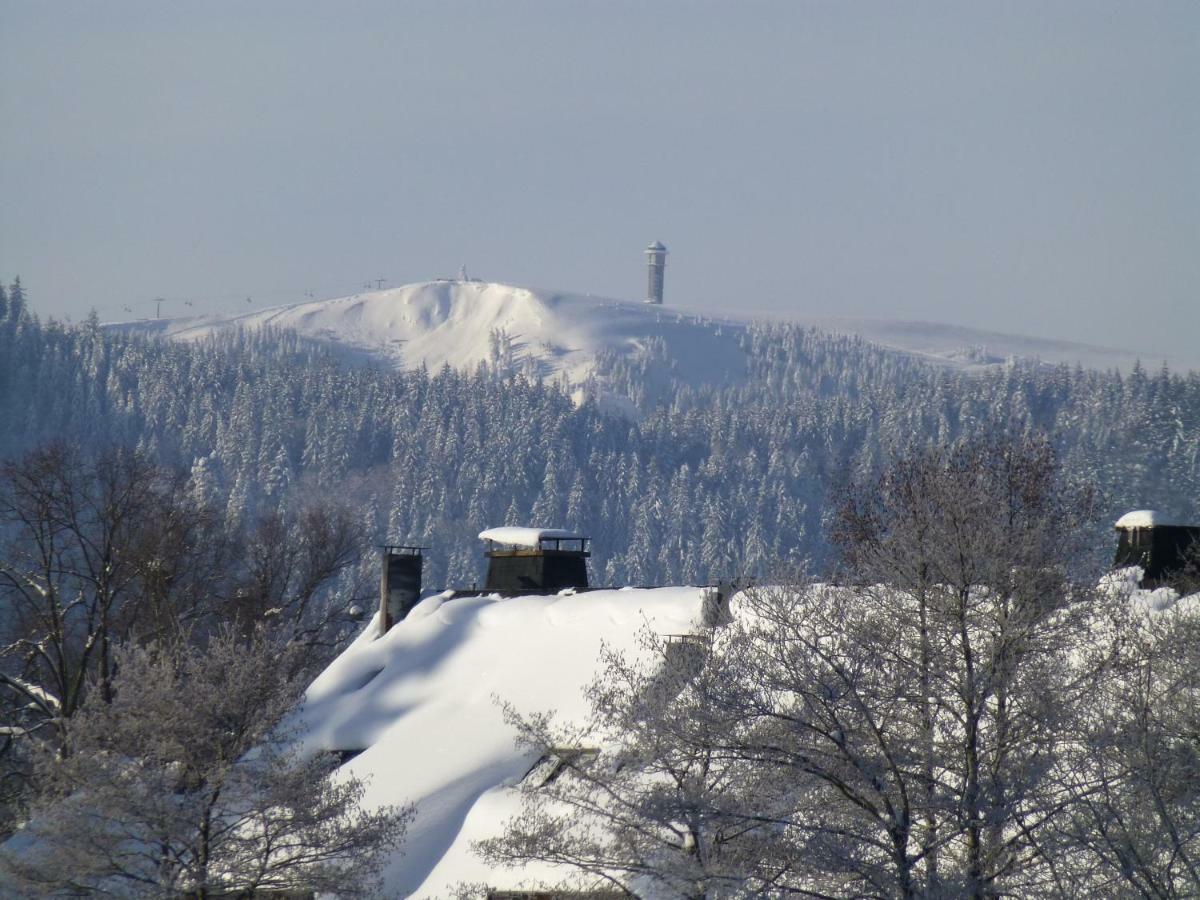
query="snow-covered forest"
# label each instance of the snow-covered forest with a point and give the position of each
(187, 530)
(710, 484)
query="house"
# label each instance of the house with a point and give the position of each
(1161, 546)
(414, 709)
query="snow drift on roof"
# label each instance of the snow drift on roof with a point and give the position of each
(526, 537)
(1143, 518)
(419, 702)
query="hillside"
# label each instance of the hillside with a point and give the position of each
(464, 323)
(712, 482)
(581, 339)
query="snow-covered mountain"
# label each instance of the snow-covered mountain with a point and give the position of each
(464, 323)
(580, 337)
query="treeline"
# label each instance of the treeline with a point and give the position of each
(707, 484)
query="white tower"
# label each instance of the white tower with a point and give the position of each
(656, 260)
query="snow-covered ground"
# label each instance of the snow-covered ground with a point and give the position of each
(559, 335)
(420, 703)
(973, 348)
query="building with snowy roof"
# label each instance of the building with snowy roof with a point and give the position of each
(420, 685)
(1158, 544)
(414, 711)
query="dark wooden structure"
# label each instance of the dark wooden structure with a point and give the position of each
(1161, 549)
(555, 563)
(556, 760)
(399, 583)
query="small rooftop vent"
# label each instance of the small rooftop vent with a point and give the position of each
(534, 560)
(1158, 544)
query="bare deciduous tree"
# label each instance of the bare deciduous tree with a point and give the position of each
(186, 783)
(1134, 771)
(96, 550)
(891, 735)
(976, 545)
(287, 564)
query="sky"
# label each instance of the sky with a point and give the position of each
(1027, 167)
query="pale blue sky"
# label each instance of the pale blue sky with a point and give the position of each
(1028, 167)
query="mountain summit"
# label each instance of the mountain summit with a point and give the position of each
(581, 340)
(592, 344)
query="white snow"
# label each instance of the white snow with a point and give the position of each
(561, 335)
(36, 693)
(1142, 518)
(519, 536)
(464, 323)
(420, 702)
(1150, 601)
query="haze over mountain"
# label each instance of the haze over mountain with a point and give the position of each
(1026, 168)
(576, 337)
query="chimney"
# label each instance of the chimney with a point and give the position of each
(399, 583)
(534, 560)
(714, 604)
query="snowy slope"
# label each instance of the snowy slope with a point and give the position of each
(559, 335)
(463, 323)
(972, 348)
(419, 702)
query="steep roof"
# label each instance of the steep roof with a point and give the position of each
(420, 703)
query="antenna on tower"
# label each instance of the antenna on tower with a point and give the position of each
(158, 307)
(379, 283)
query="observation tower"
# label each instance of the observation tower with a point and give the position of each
(656, 262)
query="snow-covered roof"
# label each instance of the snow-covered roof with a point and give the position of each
(519, 536)
(419, 702)
(657, 245)
(1143, 518)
